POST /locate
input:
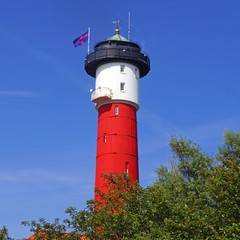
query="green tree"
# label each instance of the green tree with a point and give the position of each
(224, 188)
(196, 198)
(49, 231)
(4, 234)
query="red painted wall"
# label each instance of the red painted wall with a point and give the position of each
(116, 142)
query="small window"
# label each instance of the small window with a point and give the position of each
(122, 86)
(104, 138)
(122, 67)
(126, 168)
(136, 72)
(116, 110)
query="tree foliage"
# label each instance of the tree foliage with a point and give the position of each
(4, 234)
(198, 197)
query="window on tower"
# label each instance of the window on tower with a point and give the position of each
(122, 86)
(116, 110)
(126, 168)
(136, 72)
(104, 138)
(122, 68)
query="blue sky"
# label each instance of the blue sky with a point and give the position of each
(47, 121)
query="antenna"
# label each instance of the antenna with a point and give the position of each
(129, 26)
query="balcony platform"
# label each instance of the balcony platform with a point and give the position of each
(101, 94)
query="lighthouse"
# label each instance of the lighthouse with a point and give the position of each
(117, 65)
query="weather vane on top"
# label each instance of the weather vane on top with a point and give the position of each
(116, 22)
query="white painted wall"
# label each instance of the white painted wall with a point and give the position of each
(109, 75)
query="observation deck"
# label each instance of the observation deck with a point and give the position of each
(101, 94)
(112, 50)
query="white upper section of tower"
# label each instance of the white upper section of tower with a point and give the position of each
(116, 81)
(117, 64)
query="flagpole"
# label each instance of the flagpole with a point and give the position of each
(88, 40)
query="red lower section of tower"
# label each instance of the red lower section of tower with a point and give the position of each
(117, 150)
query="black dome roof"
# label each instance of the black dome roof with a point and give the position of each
(112, 50)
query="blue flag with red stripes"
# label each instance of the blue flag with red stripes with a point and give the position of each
(80, 40)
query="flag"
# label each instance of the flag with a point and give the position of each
(80, 40)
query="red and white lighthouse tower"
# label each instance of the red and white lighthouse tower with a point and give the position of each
(117, 64)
